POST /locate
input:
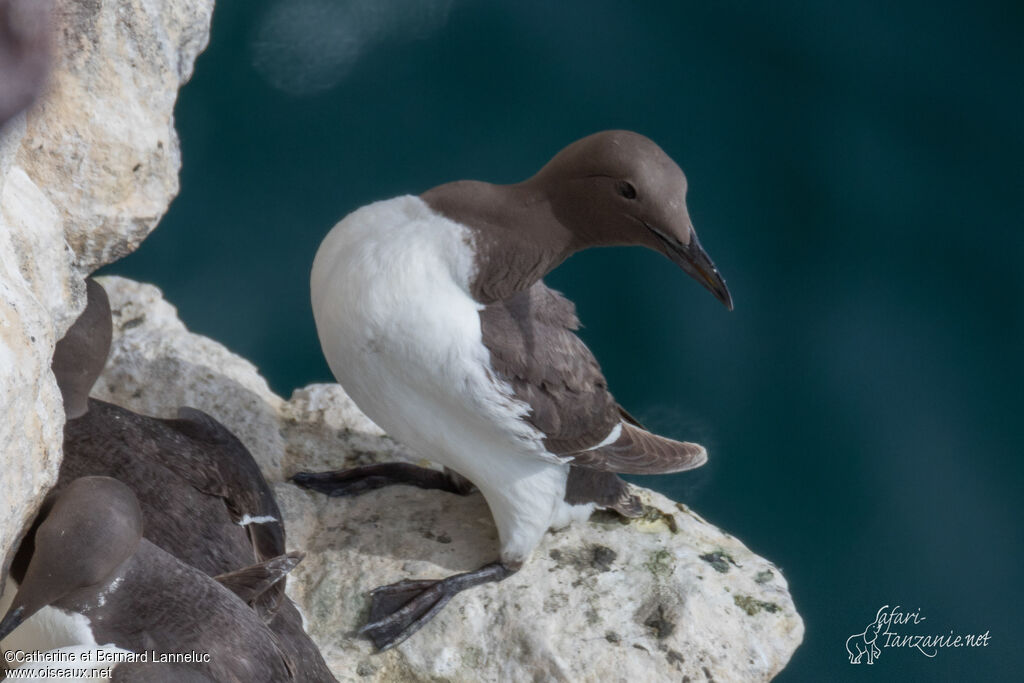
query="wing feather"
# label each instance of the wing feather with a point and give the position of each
(534, 348)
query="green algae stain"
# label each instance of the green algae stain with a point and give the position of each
(752, 605)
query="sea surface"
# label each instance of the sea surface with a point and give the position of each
(855, 172)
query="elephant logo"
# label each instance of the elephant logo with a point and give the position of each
(860, 644)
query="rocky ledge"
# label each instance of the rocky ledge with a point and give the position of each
(667, 597)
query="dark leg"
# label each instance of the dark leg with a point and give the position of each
(400, 609)
(362, 479)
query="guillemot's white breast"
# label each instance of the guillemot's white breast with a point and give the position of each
(50, 628)
(401, 333)
(60, 632)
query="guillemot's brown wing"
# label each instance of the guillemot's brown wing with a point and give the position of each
(250, 583)
(639, 452)
(225, 468)
(230, 472)
(534, 349)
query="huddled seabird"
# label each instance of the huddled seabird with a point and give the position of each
(109, 585)
(202, 495)
(433, 317)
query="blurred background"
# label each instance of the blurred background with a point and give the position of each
(855, 172)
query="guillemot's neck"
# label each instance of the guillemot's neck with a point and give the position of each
(516, 237)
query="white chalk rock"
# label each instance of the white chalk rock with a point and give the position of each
(666, 597)
(85, 174)
(101, 143)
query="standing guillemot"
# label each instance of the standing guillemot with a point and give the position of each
(90, 562)
(433, 317)
(202, 494)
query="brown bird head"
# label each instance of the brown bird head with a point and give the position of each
(620, 188)
(81, 354)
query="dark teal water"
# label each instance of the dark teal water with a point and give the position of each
(856, 173)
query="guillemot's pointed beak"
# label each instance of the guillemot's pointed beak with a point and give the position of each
(11, 621)
(30, 597)
(695, 261)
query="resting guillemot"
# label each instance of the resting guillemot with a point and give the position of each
(433, 317)
(113, 588)
(203, 497)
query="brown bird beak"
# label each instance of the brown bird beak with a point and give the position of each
(695, 261)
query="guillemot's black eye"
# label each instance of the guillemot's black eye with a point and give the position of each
(627, 190)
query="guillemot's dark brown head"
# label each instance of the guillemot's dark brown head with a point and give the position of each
(620, 188)
(89, 529)
(610, 188)
(81, 354)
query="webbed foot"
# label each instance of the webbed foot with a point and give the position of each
(400, 609)
(357, 480)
